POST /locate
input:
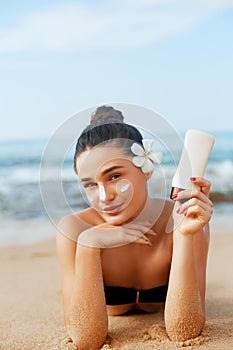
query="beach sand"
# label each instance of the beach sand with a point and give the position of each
(31, 305)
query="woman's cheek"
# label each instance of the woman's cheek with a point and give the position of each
(91, 196)
(125, 191)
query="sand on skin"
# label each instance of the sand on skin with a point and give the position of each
(31, 307)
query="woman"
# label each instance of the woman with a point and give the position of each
(117, 255)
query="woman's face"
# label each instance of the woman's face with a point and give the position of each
(114, 186)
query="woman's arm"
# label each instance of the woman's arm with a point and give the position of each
(82, 288)
(185, 304)
(84, 303)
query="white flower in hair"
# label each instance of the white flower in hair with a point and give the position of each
(145, 158)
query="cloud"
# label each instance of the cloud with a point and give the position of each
(113, 25)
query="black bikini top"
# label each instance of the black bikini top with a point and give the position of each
(121, 295)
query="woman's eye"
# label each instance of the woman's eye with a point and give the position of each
(89, 185)
(114, 177)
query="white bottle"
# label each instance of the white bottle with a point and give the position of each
(193, 160)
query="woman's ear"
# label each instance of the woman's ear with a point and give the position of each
(148, 175)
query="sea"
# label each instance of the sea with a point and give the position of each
(37, 184)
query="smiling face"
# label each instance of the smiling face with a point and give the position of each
(114, 186)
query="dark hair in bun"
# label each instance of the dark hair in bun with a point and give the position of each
(106, 113)
(107, 124)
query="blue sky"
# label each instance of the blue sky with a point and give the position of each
(58, 58)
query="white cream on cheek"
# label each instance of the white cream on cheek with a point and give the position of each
(124, 188)
(102, 194)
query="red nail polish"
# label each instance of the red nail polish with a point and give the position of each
(174, 196)
(192, 178)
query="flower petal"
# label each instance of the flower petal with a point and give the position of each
(138, 161)
(147, 166)
(137, 149)
(147, 144)
(156, 156)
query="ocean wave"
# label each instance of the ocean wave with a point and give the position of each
(23, 171)
(29, 174)
(23, 201)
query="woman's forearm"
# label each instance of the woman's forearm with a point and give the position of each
(86, 318)
(184, 312)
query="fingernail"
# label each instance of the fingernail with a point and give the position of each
(178, 210)
(174, 196)
(192, 178)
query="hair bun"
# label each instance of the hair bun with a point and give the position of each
(106, 114)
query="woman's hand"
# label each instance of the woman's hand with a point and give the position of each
(197, 210)
(110, 236)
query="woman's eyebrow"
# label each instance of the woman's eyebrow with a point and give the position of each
(114, 167)
(104, 172)
(86, 179)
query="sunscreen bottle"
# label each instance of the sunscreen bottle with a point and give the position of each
(193, 160)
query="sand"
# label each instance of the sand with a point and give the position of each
(31, 306)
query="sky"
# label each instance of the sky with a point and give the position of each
(58, 58)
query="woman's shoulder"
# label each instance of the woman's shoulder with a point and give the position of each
(72, 225)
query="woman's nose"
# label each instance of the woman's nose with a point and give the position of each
(104, 194)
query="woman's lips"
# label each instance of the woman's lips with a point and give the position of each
(112, 209)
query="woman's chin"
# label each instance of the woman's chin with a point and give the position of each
(116, 220)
